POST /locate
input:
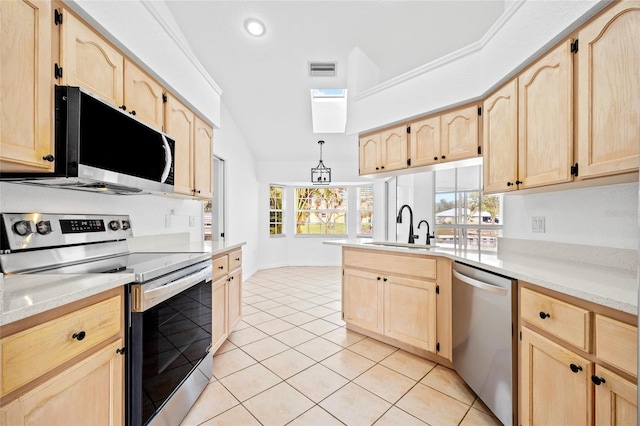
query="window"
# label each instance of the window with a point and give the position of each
(321, 211)
(465, 218)
(365, 210)
(276, 210)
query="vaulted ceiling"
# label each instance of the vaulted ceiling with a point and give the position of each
(265, 81)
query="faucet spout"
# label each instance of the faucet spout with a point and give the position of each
(429, 236)
(399, 220)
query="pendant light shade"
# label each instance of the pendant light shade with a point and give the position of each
(320, 175)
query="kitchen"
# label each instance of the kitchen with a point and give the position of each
(587, 225)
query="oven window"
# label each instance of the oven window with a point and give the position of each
(175, 337)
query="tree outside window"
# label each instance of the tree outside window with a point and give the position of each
(276, 210)
(365, 210)
(321, 211)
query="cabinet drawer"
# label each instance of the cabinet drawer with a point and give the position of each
(235, 260)
(395, 264)
(617, 344)
(563, 320)
(38, 350)
(220, 267)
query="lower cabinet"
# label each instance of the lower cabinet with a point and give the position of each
(65, 366)
(396, 296)
(589, 378)
(226, 296)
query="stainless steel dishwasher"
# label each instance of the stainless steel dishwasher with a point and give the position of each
(484, 337)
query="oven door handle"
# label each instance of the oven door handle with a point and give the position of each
(143, 299)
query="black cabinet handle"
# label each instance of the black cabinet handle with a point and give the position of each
(79, 336)
(50, 158)
(121, 351)
(384, 279)
(381, 167)
(221, 267)
(544, 315)
(237, 259)
(435, 158)
(123, 107)
(518, 182)
(133, 112)
(509, 183)
(379, 278)
(575, 368)
(443, 157)
(598, 380)
(377, 168)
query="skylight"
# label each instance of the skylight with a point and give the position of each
(329, 110)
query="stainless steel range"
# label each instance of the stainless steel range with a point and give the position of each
(168, 311)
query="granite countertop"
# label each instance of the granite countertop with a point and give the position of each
(612, 286)
(24, 295)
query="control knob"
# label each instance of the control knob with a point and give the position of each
(43, 227)
(114, 225)
(126, 225)
(23, 228)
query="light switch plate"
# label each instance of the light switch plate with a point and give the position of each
(537, 224)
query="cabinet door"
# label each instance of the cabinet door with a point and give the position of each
(362, 299)
(500, 140)
(551, 393)
(425, 141)
(91, 392)
(219, 313)
(143, 96)
(203, 160)
(393, 144)
(179, 124)
(234, 292)
(616, 399)
(410, 311)
(459, 134)
(545, 143)
(369, 154)
(608, 92)
(26, 69)
(90, 62)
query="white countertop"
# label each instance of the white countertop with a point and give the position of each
(608, 286)
(24, 295)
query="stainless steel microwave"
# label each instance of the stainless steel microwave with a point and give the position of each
(99, 147)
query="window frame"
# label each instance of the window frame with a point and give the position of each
(281, 210)
(359, 233)
(341, 212)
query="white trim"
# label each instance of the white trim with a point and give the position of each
(177, 39)
(458, 54)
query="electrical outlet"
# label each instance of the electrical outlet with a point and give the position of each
(537, 224)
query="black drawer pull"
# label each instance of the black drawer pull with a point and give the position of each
(544, 315)
(575, 368)
(379, 278)
(598, 380)
(220, 267)
(79, 336)
(237, 259)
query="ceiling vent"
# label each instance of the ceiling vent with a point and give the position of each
(322, 69)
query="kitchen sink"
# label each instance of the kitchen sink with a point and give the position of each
(402, 245)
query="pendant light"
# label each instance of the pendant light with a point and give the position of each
(320, 175)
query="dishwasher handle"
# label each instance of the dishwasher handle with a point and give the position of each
(481, 285)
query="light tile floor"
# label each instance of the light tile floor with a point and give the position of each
(292, 361)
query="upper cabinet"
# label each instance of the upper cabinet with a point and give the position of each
(528, 126)
(384, 151)
(193, 171)
(424, 141)
(608, 110)
(26, 67)
(143, 96)
(459, 134)
(89, 61)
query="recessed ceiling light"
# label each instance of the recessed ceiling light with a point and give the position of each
(254, 27)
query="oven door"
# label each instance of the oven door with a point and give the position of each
(169, 340)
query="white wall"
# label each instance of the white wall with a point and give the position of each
(148, 212)
(602, 216)
(242, 192)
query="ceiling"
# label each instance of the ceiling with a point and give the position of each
(265, 81)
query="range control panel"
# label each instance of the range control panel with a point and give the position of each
(22, 231)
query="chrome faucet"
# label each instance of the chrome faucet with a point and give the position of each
(412, 237)
(429, 237)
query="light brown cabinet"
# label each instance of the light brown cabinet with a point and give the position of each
(572, 372)
(143, 96)
(26, 67)
(89, 61)
(193, 171)
(424, 141)
(384, 151)
(400, 297)
(65, 366)
(608, 111)
(227, 295)
(528, 126)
